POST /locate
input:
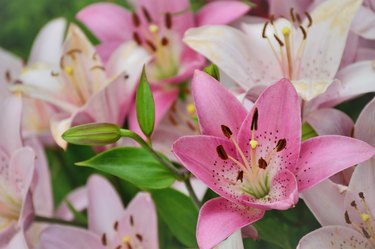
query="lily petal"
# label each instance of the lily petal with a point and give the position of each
(219, 218)
(48, 44)
(78, 198)
(104, 207)
(217, 108)
(364, 127)
(231, 51)
(221, 12)
(18, 241)
(107, 21)
(64, 237)
(10, 65)
(335, 237)
(326, 202)
(232, 242)
(364, 23)
(329, 121)
(322, 157)
(10, 124)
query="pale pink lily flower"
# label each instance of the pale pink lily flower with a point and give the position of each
(110, 225)
(45, 53)
(81, 88)
(256, 161)
(16, 174)
(346, 213)
(307, 51)
(158, 26)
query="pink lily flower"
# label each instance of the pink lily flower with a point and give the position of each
(158, 27)
(45, 53)
(264, 52)
(110, 225)
(255, 161)
(16, 174)
(80, 87)
(346, 213)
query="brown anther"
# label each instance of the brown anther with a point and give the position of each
(104, 239)
(8, 76)
(280, 145)
(18, 82)
(309, 18)
(164, 41)
(146, 14)
(72, 53)
(361, 195)
(347, 219)
(139, 237)
(262, 163)
(126, 76)
(278, 40)
(272, 19)
(54, 74)
(254, 122)
(226, 131)
(62, 62)
(151, 45)
(118, 247)
(172, 120)
(168, 20)
(264, 30)
(131, 220)
(292, 15)
(135, 19)
(97, 67)
(137, 38)
(365, 233)
(191, 125)
(298, 17)
(353, 204)
(115, 226)
(303, 32)
(221, 152)
(240, 176)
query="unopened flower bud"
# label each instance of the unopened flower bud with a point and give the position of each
(93, 134)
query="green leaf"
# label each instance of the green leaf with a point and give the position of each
(307, 132)
(213, 71)
(145, 105)
(132, 164)
(179, 213)
(272, 231)
(79, 217)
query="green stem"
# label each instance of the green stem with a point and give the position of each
(127, 133)
(192, 194)
(59, 221)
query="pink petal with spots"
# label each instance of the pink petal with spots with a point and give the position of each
(215, 106)
(218, 174)
(322, 157)
(104, 206)
(219, 218)
(278, 118)
(334, 237)
(140, 222)
(65, 237)
(221, 12)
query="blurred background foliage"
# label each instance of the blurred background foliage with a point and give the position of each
(20, 22)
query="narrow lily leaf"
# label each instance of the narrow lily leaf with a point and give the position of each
(145, 105)
(213, 71)
(179, 213)
(132, 164)
(307, 132)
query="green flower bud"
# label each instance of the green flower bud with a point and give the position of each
(93, 134)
